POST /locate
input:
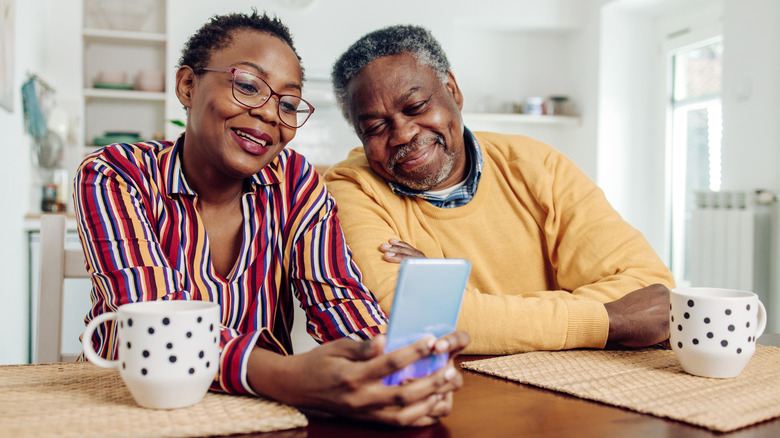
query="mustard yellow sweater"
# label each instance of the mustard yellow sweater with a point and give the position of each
(546, 248)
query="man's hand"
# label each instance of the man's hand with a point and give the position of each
(641, 318)
(396, 250)
(344, 377)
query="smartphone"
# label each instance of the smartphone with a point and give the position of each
(427, 302)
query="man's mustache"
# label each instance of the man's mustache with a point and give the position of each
(415, 144)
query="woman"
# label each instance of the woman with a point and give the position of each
(227, 214)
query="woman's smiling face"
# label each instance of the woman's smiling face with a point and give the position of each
(224, 138)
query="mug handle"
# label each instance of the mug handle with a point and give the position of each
(761, 319)
(89, 350)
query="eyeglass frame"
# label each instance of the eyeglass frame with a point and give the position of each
(233, 70)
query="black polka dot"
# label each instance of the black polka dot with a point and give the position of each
(151, 330)
(121, 324)
(679, 345)
(189, 334)
(731, 327)
(748, 307)
(747, 324)
(739, 351)
(172, 359)
(706, 320)
(679, 327)
(124, 366)
(690, 303)
(724, 343)
(208, 364)
(129, 345)
(146, 353)
(695, 341)
(200, 319)
(129, 322)
(201, 354)
(686, 315)
(215, 339)
(750, 339)
(710, 335)
(143, 371)
(211, 327)
(728, 311)
(672, 318)
(166, 321)
(169, 345)
(192, 371)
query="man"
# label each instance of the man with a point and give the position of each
(553, 264)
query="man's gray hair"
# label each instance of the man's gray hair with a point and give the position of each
(391, 40)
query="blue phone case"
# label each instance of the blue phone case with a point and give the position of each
(427, 302)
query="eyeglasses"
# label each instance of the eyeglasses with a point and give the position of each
(252, 91)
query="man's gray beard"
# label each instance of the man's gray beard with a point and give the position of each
(429, 179)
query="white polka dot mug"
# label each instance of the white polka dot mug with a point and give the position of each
(168, 351)
(713, 331)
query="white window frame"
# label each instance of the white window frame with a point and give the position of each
(686, 39)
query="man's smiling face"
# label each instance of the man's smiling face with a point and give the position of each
(409, 122)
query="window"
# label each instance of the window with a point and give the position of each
(695, 137)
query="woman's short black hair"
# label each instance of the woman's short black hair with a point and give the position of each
(217, 34)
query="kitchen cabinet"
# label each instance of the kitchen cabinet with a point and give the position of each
(120, 46)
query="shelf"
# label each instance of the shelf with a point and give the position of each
(100, 93)
(520, 118)
(109, 35)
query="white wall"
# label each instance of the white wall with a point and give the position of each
(751, 112)
(632, 155)
(17, 180)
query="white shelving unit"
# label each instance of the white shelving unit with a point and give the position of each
(101, 93)
(128, 50)
(528, 119)
(124, 36)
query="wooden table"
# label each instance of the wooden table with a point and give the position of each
(493, 407)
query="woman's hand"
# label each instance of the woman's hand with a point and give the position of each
(344, 377)
(397, 250)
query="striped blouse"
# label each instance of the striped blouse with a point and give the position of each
(144, 240)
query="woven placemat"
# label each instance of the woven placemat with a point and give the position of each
(651, 381)
(83, 400)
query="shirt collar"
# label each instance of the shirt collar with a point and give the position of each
(462, 195)
(270, 174)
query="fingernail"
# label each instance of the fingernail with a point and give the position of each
(450, 373)
(431, 343)
(394, 241)
(385, 246)
(390, 254)
(442, 345)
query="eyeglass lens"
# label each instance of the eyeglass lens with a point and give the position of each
(252, 91)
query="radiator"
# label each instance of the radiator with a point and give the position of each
(730, 238)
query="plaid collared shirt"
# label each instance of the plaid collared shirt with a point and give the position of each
(463, 194)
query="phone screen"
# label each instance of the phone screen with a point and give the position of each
(427, 302)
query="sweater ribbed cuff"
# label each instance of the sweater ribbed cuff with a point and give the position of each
(588, 325)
